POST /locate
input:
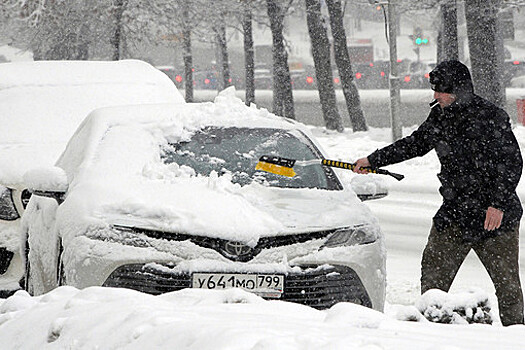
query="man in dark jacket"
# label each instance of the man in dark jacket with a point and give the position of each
(481, 166)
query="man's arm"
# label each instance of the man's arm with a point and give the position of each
(419, 143)
(503, 163)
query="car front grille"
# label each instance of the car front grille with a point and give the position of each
(313, 286)
(244, 254)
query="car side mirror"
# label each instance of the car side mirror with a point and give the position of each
(48, 182)
(368, 187)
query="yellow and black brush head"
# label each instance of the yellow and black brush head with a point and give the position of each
(276, 165)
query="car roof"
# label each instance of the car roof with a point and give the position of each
(226, 111)
(52, 73)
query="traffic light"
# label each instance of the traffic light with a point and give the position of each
(418, 37)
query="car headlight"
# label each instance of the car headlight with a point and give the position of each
(7, 206)
(352, 236)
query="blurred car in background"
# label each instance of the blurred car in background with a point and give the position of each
(416, 76)
(513, 70)
(263, 77)
(205, 79)
(168, 197)
(175, 75)
(41, 105)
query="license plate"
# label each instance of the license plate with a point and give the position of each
(265, 285)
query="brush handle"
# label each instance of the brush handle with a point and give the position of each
(351, 166)
(338, 164)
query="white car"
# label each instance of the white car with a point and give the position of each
(159, 198)
(41, 105)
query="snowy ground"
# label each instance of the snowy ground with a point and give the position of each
(97, 318)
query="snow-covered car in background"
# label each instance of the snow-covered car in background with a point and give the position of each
(160, 198)
(41, 105)
(518, 82)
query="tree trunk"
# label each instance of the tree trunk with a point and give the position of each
(118, 8)
(500, 53)
(322, 64)
(249, 61)
(344, 66)
(481, 18)
(439, 46)
(282, 84)
(187, 57)
(449, 30)
(220, 31)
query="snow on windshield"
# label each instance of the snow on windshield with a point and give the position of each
(237, 150)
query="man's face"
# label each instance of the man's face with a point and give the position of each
(444, 98)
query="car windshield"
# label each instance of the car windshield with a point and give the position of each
(237, 151)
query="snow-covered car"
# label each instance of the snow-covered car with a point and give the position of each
(518, 82)
(159, 198)
(41, 105)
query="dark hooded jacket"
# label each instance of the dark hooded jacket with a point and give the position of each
(480, 159)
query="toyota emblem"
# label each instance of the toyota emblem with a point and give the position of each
(236, 248)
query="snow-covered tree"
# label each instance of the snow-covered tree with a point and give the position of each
(448, 45)
(481, 16)
(322, 62)
(282, 87)
(344, 66)
(85, 29)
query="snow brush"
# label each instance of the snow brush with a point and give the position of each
(284, 166)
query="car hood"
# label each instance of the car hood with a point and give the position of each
(216, 208)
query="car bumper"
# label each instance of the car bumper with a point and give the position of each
(318, 278)
(316, 286)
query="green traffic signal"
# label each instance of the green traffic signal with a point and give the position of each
(421, 41)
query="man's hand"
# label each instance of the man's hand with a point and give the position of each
(361, 163)
(493, 218)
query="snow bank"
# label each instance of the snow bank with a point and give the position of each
(111, 318)
(469, 307)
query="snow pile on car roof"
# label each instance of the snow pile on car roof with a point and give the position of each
(116, 175)
(42, 103)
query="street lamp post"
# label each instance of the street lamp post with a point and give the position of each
(394, 84)
(393, 79)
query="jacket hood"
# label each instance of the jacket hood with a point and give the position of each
(452, 77)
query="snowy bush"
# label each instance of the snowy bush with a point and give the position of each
(461, 308)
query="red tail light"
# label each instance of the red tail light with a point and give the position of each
(336, 80)
(358, 75)
(407, 78)
(427, 75)
(206, 81)
(516, 62)
(309, 80)
(382, 74)
(178, 78)
(371, 64)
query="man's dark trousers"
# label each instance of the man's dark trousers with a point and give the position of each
(445, 252)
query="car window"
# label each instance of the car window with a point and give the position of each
(237, 151)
